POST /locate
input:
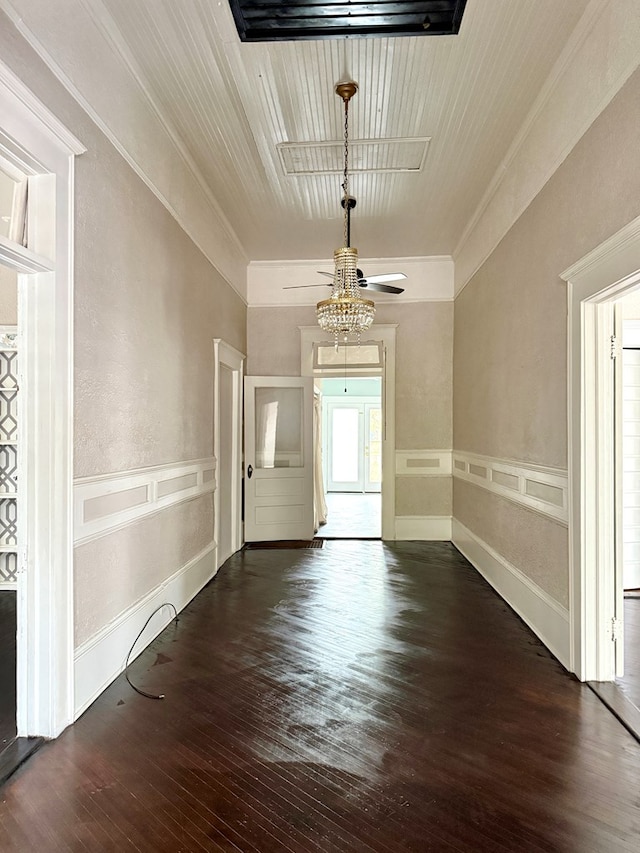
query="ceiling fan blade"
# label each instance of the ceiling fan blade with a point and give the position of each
(367, 284)
(297, 286)
(390, 276)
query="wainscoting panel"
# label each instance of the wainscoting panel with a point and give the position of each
(102, 658)
(548, 619)
(542, 489)
(423, 463)
(105, 503)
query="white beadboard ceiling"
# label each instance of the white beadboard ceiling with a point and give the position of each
(241, 109)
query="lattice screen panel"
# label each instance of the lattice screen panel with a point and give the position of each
(8, 468)
(8, 522)
(8, 568)
(8, 415)
(9, 369)
(8, 457)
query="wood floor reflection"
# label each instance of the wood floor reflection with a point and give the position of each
(363, 697)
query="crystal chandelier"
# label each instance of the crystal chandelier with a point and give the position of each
(345, 312)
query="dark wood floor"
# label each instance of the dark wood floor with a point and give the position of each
(7, 667)
(363, 697)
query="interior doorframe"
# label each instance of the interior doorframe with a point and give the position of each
(604, 275)
(228, 356)
(386, 333)
(35, 142)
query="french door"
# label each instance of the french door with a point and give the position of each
(354, 446)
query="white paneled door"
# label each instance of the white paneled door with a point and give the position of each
(278, 465)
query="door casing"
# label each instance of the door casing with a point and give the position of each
(34, 142)
(609, 272)
(386, 333)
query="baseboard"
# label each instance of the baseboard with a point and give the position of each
(548, 619)
(424, 527)
(101, 658)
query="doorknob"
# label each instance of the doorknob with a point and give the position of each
(249, 471)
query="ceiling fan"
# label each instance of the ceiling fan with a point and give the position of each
(371, 282)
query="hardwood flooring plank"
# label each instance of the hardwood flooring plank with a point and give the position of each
(363, 698)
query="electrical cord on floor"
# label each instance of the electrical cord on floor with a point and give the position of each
(126, 666)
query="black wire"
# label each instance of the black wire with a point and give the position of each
(126, 666)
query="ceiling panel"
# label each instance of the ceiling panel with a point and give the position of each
(233, 104)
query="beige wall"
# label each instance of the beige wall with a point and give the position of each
(424, 342)
(8, 297)
(510, 366)
(147, 307)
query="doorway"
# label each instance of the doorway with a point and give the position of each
(351, 412)
(595, 284)
(627, 450)
(36, 147)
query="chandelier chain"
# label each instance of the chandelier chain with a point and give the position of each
(345, 184)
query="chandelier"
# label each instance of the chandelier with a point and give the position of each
(345, 312)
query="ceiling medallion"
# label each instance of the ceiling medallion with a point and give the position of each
(345, 312)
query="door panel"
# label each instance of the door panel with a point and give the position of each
(278, 458)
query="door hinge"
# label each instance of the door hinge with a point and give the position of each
(616, 629)
(615, 348)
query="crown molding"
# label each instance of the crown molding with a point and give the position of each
(17, 88)
(429, 279)
(218, 241)
(543, 141)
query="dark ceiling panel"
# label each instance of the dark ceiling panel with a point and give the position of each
(310, 19)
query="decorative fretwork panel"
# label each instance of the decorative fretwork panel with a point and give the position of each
(8, 568)
(8, 415)
(9, 370)
(8, 456)
(8, 468)
(8, 522)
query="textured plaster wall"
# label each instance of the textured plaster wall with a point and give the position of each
(8, 297)
(533, 543)
(153, 548)
(424, 379)
(510, 366)
(147, 307)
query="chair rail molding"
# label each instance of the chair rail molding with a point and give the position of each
(109, 502)
(536, 487)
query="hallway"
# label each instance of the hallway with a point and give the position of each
(362, 697)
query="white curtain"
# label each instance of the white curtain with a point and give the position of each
(319, 502)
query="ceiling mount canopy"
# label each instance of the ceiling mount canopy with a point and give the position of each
(345, 312)
(268, 20)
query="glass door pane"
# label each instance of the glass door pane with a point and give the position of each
(278, 427)
(344, 457)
